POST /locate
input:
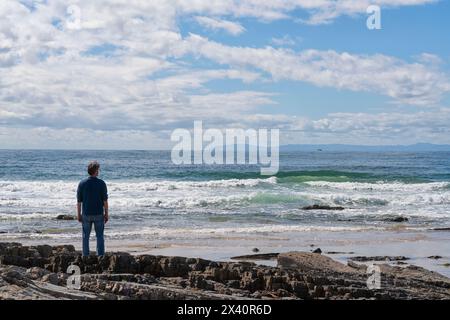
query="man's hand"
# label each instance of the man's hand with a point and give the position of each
(79, 218)
(106, 206)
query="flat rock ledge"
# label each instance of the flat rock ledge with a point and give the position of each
(39, 272)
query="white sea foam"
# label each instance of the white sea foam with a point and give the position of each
(377, 199)
(162, 194)
(26, 216)
(267, 229)
(22, 200)
(381, 186)
(188, 185)
(192, 233)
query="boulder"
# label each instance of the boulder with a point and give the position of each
(261, 256)
(322, 207)
(45, 250)
(66, 248)
(306, 261)
(379, 258)
(66, 217)
(397, 219)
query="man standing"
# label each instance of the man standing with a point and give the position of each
(92, 208)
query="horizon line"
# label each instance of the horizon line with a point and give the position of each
(281, 146)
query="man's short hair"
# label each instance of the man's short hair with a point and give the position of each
(93, 167)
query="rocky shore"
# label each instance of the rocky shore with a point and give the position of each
(39, 272)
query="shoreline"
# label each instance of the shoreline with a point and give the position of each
(417, 246)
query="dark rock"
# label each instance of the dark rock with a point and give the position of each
(322, 207)
(262, 256)
(305, 261)
(149, 264)
(174, 267)
(360, 267)
(64, 248)
(45, 251)
(319, 292)
(347, 296)
(66, 217)
(435, 257)
(256, 295)
(121, 276)
(255, 250)
(37, 273)
(397, 219)
(122, 264)
(379, 258)
(234, 284)
(338, 252)
(60, 262)
(441, 229)
(51, 278)
(300, 289)
(317, 251)
(283, 293)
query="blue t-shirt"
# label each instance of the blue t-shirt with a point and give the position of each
(92, 192)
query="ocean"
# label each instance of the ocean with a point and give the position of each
(154, 201)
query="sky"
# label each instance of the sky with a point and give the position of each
(123, 74)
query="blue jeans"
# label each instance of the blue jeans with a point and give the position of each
(99, 226)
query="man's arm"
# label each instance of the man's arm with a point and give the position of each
(105, 205)
(79, 212)
(79, 201)
(105, 202)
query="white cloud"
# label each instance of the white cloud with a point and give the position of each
(389, 128)
(80, 138)
(320, 11)
(231, 27)
(370, 129)
(430, 59)
(410, 83)
(323, 12)
(64, 82)
(285, 41)
(341, 128)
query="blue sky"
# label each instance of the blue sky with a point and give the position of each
(114, 74)
(406, 33)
